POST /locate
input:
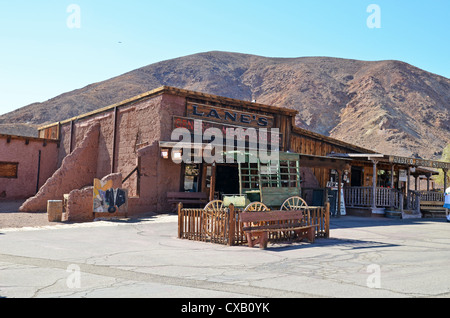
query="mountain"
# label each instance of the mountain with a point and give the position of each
(388, 106)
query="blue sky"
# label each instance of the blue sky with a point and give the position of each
(41, 57)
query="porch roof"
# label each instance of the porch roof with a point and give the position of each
(422, 165)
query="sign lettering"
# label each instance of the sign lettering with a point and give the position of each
(420, 162)
(188, 123)
(229, 116)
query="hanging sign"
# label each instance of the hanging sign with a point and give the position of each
(402, 175)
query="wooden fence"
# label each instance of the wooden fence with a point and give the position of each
(223, 226)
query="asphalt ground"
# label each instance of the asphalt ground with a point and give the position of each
(143, 258)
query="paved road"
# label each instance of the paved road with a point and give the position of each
(365, 257)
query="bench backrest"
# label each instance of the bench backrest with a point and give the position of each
(187, 195)
(271, 216)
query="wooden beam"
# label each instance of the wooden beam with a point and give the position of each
(374, 184)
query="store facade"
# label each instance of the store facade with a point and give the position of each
(138, 139)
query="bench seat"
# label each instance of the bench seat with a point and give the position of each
(258, 225)
(187, 198)
(432, 208)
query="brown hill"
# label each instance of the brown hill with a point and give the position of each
(388, 106)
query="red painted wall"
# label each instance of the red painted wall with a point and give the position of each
(27, 155)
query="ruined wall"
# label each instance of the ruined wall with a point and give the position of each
(77, 170)
(25, 152)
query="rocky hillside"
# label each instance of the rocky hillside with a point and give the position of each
(388, 106)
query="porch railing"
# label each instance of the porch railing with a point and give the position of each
(431, 196)
(388, 198)
(363, 197)
(223, 226)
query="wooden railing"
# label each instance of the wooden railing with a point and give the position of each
(415, 197)
(388, 198)
(223, 226)
(358, 196)
(431, 196)
(363, 197)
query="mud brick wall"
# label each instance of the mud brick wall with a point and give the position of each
(25, 152)
(77, 170)
(139, 126)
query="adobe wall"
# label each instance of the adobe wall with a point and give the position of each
(158, 176)
(139, 128)
(27, 155)
(77, 170)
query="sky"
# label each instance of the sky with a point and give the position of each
(49, 47)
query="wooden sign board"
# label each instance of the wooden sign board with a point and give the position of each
(189, 124)
(420, 162)
(229, 116)
(8, 169)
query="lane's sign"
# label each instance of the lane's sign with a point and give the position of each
(238, 132)
(229, 116)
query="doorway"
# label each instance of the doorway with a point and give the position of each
(227, 179)
(356, 176)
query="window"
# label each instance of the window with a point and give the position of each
(276, 174)
(280, 174)
(8, 170)
(249, 174)
(191, 178)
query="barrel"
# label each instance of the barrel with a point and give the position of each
(54, 210)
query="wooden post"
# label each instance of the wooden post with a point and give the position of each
(428, 181)
(38, 172)
(71, 137)
(392, 187)
(408, 202)
(327, 219)
(113, 155)
(339, 192)
(445, 178)
(231, 225)
(180, 220)
(212, 184)
(374, 184)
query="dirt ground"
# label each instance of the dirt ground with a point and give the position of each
(10, 217)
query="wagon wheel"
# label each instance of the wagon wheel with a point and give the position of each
(296, 203)
(211, 210)
(216, 205)
(256, 207)
(293, 203)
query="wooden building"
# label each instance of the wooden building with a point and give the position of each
(135, 138)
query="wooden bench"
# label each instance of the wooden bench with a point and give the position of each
(258, 225)
(434, 208)
(188, 198)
